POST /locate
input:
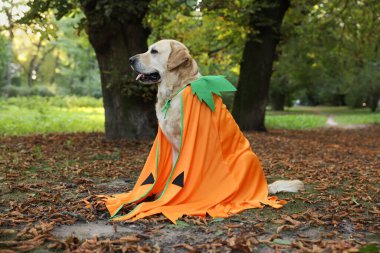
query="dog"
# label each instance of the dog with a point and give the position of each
(169, 64)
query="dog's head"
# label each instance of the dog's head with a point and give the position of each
(163, 59)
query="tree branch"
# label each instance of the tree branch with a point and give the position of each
(216, 50)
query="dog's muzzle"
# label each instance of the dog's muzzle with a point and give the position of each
(151, 77)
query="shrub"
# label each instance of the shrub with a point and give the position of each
(22, 91)
(42, 91)
(15, 91)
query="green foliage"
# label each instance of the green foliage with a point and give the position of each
(329, 52)
(101, 10)
(4, 58)
(367, 84)
(214, 37)
(39, 8)
(16, 91)
(63, 61)
(77, 68)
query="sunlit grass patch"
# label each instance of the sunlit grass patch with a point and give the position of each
(294, 121)
(305, 117)
(355, 118)
(40, 115)
(320, 109)
(36, 115)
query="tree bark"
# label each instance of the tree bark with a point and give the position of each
(373, 101)
(9, 72)
(32, 64)
(278, 100)
(127, 113)
(256, 66)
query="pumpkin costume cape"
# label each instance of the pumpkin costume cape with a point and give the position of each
(216, 171)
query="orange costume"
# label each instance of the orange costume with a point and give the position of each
(216, 171)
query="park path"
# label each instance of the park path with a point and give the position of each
(332, 123)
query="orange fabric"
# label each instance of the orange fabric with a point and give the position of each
(222, 176)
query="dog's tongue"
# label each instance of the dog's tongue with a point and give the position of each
(139, 76)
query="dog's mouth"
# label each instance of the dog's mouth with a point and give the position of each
(153, 77)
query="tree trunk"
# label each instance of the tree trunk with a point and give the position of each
(373, 101)
(256, 66)
(127, 113)
(278, 100)
(9, 72)
(32, 64)
(56, 63)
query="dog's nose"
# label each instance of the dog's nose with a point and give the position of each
(132, 60)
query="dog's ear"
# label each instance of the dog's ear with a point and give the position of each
(179, 56)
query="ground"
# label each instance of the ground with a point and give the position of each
(45, 178)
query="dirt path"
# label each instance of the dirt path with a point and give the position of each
(332, 123)
(43, 180)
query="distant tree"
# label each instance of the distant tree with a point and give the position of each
(116, 32)
(366, 89)
(332, 54)
(34, 53)
(256, 65)
(38, 57)
(7, 7)
(4, 60)
(76, 71)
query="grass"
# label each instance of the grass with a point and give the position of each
(32, 115)
(21, 116)
(364, 118)
(307, 117)
(294, 121)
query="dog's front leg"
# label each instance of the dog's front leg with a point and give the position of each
(174, 157)
(174, 154)
(175, 147)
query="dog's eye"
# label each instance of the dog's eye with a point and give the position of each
(153, 51)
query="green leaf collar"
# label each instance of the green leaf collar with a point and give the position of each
(205, 86)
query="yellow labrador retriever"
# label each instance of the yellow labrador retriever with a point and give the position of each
(169, 64)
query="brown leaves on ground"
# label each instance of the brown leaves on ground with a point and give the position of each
(54, 180)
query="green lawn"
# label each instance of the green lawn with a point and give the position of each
(20, 116)
(363, 118)
(306, 117)
(30, 115)
(294, 121)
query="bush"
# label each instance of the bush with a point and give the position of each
(33, 102)
(74, 101)
(22, 91)
(15, 91)
(42, 91)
